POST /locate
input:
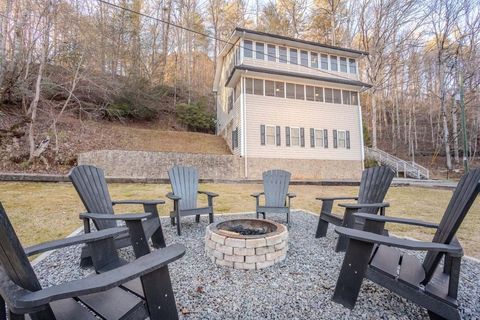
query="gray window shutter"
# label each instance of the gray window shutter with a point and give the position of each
(233, 139)
(347, 139)
(325, 138)
(278, 136)
(312, 137)
(335, 141)
(287, 136)
(236, 138)
(302, 137)
(262, 134)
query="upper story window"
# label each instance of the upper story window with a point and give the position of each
(282, 54)
(290, 90)
(337, 96)
(343, 64)
(318, 94)
(324, 61)
(280, 89)
(272, 52)
(269, 88)
(354, 98)
(310, 93)
(328, 95)
(260, 50)
(353, 66)
(249, 85)
(299, 92)
(333, 63)
(314, 59)
(346, 96)
(258, 87)
(248, 49)
(293, 56)
(304, 58)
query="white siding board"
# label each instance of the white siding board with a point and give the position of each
(300, 113)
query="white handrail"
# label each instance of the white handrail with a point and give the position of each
(410, 169)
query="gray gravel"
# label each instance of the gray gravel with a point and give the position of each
(300, 287)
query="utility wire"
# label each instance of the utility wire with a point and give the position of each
(208, 36)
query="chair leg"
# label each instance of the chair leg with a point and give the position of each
(322, 228)
(3, 309)
(197, 218)
(14, 316)
(85, 258)
(172, 221)
(288, 218)
(348, 222)
(210, 216)
(159, 295)
(179, 231)
(435, 316)
(351, 275)
(158, 240)
(258, 215)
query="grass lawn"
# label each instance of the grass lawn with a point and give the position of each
(46, 211)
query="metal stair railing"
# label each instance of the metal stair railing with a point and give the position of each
(409, 169)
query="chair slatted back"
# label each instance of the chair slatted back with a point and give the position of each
(462, 199)
(14, 264)
(374, 186)
(184, 181)
(275, 186)
(89, 181)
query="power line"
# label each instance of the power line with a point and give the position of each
(207, 35)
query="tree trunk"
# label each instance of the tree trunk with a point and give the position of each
(455, 132)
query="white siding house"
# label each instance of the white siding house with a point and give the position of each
(292, 104)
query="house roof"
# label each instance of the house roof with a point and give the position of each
(297, 75)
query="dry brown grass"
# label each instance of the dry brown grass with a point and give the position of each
(45, 211)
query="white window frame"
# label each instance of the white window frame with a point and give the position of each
(274, 135)
(315, 138)
(255, 50)
(344, 139)
(291, 137)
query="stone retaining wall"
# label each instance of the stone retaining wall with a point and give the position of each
(154, 165)
(141, 164)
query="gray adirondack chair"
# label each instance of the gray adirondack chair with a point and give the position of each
(426, 283)
(374, 185)
(275, 191)
(184, 182)
(97, 296)
(89, 181)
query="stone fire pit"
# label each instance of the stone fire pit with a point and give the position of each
(246, 243)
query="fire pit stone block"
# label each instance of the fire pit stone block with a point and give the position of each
(248, 252)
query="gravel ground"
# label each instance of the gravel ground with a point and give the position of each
(300, 287)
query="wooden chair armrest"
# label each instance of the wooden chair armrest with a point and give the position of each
(159, 201)
(364, 205)
(291, 195)
(414, 222)
(172, 196)
(257, 194)
(108, 216)
(335, 198)
(71, 241)
(210, 194)
(103, 281)
(398, 242)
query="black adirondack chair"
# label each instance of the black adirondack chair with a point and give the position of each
(89, 181)
(275, 191)
(98, 296)
(184, 181)
(373, 188)
(426, 282)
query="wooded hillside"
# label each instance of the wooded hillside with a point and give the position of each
(101, 59)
